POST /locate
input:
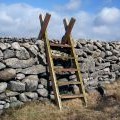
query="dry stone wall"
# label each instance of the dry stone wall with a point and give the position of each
(23, 68)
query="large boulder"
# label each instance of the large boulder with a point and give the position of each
(3, 87)
(36, 69)
(22, 54)
(8, 53)
(7, 74)
(17, 86)
(16, 46)
(88, 65)
(32, 48)
(31, 83)
(16, 63)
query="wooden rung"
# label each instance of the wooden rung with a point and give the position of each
(65, 69)
(70, 96)
(68, 83)
(60, 45)
(62, 57)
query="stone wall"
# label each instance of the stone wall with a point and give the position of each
(23, 68)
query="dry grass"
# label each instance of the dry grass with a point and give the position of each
(107, 108)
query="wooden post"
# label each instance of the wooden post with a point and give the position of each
(68, 29)
(44, 24)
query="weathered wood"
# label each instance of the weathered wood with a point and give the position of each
(68, 28)
(70, 96)
(44, 24)
(67, 38)
(52, 69)
(68, 83)
(64, 69)
(60, 45)
(43, 35)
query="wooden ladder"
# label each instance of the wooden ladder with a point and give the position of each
(66, 43)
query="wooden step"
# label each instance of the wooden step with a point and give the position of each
(62, 57)
(64, 96)
(65, 69)
(60, 45)
(68, 83)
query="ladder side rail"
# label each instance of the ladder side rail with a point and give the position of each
(44, 24)
(78, 73)
(53, 75)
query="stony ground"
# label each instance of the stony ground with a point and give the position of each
(99, 108)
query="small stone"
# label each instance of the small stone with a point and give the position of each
(71, 77)
(112, 58)
(11, 93)
(43, 81)
(1, 55)
(32, 48)
(7, 45)
(1, 107)
(2, 102)
(42, 92)
(20, 76)
(82, 41)
(7, 74)
(83, 67)
(7, 105)
(63, 80)
(115, 67)
(76, 89)
(3, 87)
(32, 95)
(108, 53)
(107, 47)
(13, 99)
(42, 59)
(92, 83)
(102, 55)
(40, 44)
(2, 96)
(79, 52)
(23, 98)
(17, 86)
(16, 46)
(40, 86)
(52, 97)
(34, 70)
(103, 65)
(31, 82)
(16, 104)
(99, 45)
(3, 46)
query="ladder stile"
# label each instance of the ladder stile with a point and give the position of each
(66, 43)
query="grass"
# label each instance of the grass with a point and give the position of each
(107, 108)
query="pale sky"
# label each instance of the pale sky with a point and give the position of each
(95, 19)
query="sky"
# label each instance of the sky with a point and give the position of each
(95, 19)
